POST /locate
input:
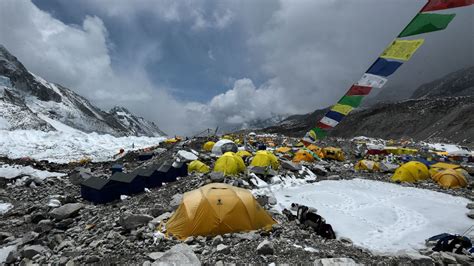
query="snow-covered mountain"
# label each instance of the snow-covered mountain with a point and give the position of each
(27, 101)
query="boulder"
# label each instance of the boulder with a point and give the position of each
(224, 249)
(180, 254)
(66, 211)
(176, 200)
(217, 177)
(247, 236)
(289, 165)
(265, 248)
(447, 258)
(31, 251)
(416, 257)
(217, 240)
(470, 206)
(319, 170)
(334, 262)
(131, 221)
(155, 255)
(11, 257)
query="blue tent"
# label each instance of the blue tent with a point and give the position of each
(98, 190)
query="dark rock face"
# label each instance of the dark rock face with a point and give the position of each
(24, 96)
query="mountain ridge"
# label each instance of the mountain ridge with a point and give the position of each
(28, 101)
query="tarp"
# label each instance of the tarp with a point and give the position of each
(434, 5)
(426, 22)
(402, 49)
(217, 209)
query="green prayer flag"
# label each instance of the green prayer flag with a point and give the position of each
(353, 101)
(320, 133)
(427, 22)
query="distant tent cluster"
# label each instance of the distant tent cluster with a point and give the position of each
(399, 51)
(101, 190)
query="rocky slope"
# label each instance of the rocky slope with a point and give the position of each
(29, 102)
(440, 109)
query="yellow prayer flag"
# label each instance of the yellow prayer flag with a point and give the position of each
(402, 49)
(342, 108)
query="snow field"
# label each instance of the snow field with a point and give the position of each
(379, 216)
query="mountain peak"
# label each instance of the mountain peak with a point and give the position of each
(30, 102)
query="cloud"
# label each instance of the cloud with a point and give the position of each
(250, 59)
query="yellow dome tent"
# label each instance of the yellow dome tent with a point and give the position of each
(333, 153)
(198, 166)
(438, 167)
(265, 159)
(229, 164)
(217, 209)
(208, 146)
(244, 154)
(367, 165)
(411, 172)
(283, 150)
(303, 155)
(450, 178)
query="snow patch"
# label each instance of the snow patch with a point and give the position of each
(380, 216)
(11, 171)
(4, 208)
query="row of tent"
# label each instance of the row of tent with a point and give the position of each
(103, 190)
(231, 163)
(446, 175)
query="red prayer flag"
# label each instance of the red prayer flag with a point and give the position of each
(445, 4)
(322, 125)
(358, 90)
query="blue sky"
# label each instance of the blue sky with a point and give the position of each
(189, 65)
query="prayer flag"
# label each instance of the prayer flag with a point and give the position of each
(383, 67)
(426, 22)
